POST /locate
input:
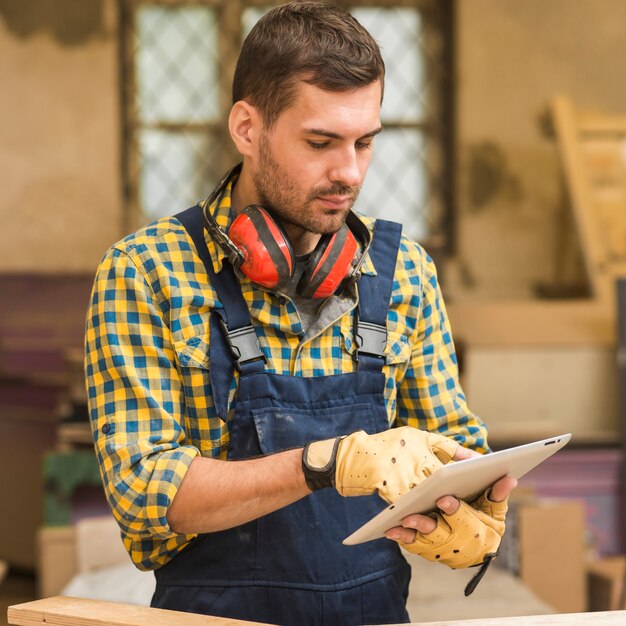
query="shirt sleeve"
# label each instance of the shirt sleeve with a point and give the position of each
(136, 406)
(430, 396)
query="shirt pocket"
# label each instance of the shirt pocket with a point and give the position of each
(204, 428)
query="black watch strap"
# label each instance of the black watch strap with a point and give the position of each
(320, 477)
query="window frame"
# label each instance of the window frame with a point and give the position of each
(438, 17)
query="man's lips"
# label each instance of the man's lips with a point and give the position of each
(336, 201)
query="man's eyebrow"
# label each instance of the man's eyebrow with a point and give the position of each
(331, 135)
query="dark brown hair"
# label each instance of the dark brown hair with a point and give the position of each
(315, 42)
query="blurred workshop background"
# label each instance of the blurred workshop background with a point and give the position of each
(505, 152)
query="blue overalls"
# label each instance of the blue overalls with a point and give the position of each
(290, 567)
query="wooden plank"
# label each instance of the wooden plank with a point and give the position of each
(603, 618)
(66, 611)
(532, 323)
(63, 611)
(595, 123)
(592, 146)
(581, 197)
(603, 157)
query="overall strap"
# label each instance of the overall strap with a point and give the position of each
(233, 339)
(370, 319)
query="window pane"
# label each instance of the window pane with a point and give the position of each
(176, 64)
(251, 16)
(396, 185)
(398, 32)
(175, 171)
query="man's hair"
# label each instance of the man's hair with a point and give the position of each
(314, 42)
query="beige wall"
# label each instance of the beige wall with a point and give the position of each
(61, 207)
(513, 56)
(60, 204)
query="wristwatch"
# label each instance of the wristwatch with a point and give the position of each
(318, 463)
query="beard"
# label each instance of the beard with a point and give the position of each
(278, 193)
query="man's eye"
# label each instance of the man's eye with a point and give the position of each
(318, 145)
(363, 145)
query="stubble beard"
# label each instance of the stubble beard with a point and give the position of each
(277, 193)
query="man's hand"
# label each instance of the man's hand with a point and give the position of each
(390, 463)
(461, 534)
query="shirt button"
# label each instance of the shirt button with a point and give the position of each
(106, 428)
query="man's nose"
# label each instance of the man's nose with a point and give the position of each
(346, 169)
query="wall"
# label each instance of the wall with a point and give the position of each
(60, 206)
(512, 58)
(60, 132)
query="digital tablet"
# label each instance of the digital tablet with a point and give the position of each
(465, 480)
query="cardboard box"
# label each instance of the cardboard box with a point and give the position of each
(592, 476)
(66, 551)
(605, 584)
(26, 436)
(544, 545)
(551, 536)
(56, 552)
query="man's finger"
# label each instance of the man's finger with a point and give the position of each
(448, 504)
(422, 523)
(502, 488)
(404, 535)
(464, 453)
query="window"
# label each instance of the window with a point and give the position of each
(179, 57)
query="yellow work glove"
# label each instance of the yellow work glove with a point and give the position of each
(470, 536)
(390, 463)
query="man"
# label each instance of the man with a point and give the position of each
(221, 398)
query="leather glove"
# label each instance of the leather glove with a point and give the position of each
(470, 536)
(390, 463)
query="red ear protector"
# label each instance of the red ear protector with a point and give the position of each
(269, 259)
(258, 245)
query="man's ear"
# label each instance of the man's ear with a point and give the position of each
(244, 124)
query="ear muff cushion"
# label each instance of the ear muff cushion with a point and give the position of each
(269, 259)
(329, 264)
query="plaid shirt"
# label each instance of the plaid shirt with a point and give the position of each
(150, 397)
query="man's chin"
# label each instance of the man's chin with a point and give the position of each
(330, 226)
(331, 220)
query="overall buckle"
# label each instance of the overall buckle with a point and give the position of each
(370, 339)
(243, 344)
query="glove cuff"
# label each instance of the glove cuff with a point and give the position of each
(319, 460)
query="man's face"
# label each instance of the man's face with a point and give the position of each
(311, 163)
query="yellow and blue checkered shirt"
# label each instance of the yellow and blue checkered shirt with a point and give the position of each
(147, 368)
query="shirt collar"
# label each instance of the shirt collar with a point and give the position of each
(221, 210)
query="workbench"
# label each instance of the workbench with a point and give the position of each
(65, 611)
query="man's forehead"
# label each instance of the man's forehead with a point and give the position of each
(314, 107)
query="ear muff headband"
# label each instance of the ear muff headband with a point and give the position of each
(268, 256)
(329, 264)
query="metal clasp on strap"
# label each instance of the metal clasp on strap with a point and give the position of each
(243, 344)
(370, 338)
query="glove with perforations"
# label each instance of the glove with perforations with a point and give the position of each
(469, 537)
(390, 463)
